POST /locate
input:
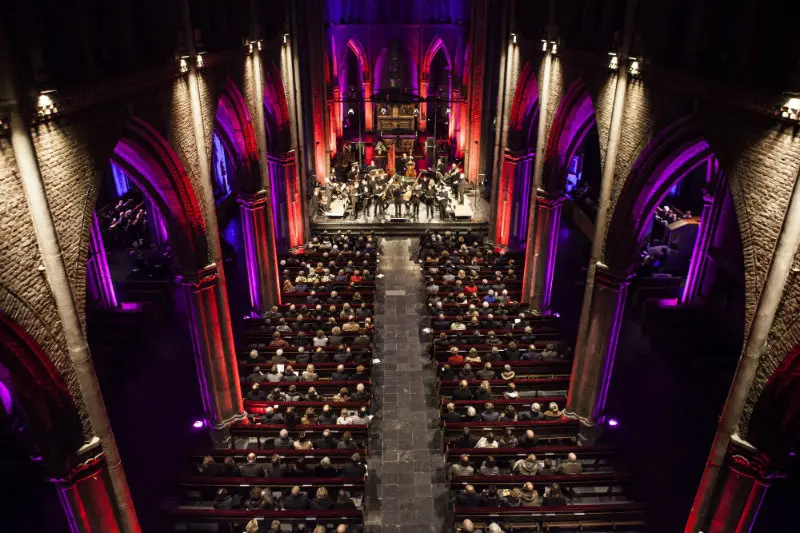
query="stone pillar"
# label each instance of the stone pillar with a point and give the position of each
(260, 278)
(546, 228)
(336, 115)
(217, 369)
(87, 498)
(472, 156)
(502, 202)
(368, 122)
(743, 483)
(702, 244)
(455, 118)
(591, 371)
(423, 106)
(100, 282)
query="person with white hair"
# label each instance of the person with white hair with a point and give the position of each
(468, 527)
(571, 466)
(450, 414)
(462, 467)
(471, 416)
(494, 528)
(535, 413)
(284, 441)
(360, 395)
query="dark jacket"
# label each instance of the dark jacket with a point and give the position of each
(295, 503)
(352, 469)
(469, 500)
(321, 504)
(251, 470)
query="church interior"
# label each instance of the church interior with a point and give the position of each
(367, 266)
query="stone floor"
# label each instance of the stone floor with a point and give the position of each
(405, 487)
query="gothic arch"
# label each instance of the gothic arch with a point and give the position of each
(51, 415)
(276, 109)
(524, 108)
(669, 157)
(358, 49)
(435, 46)
(156, 169)
(574, 118)
(235, 130)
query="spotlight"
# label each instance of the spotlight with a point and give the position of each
(285, 38)
(613, 62)
(553, 47)
(3, 126)
(259, 45)
(416, 112)
(199, 424)
(544, 45)
(249, 48)
(514, 38)
(791, 109)
(351, 112)
(46, 107)
(449, 111)
(613, 422)
(184, 65)
(633, 69)
(199, 61)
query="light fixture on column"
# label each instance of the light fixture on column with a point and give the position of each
(183, 64)
(544, 45)
(199, 60)
(449, 111)
(3, 125)
(514, 38)
(791, 109)
(633, 68)
(416, 112)
(613, 62)
(553, 47)
(285, 38)
(46, 106)
(351, 112)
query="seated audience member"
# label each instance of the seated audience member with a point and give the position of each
(494, 527)
(292, 395)
(473, 356)
(455, 358)
(320, 340)
(529, 440)
(224, 501)
(251, 468)
(528, 466)
(343, 418)
(549, 469)
(552, 413)
(300, 468)
(325, 442)
(276, 467)
(327, 417)
(283, 441)
(296, 500)
(255, 393)
(252, 526)
(509, 440)
(484, 391)
(257, 376)
(447, 373)
(342, 396)
(278, 358)
(535, 413)
(303, 442)
(276, 395)
(514, 499)
(465, 440)
(450, 414)
(486, 372)
(553, 497)
(322, 502)
(320, 356)
(271, 417)
(471, 415)
(353, 467)
(462, 392)
(491, 497)
(489, 467)
(347, 442)
(511, 391)
(290, 375)
(468, 527)
(344, 502)
(462, 467)
(359, 418)
(325, 468)
(571, 466)
(508, 373)
(309, 374)
(277, 342)
(466, 372)
(336, 337)
(469, 497)
(487, 441)
(260, 498)
(530, 498)
(340, 374)
(360, 395)
(490, 414)
(312, 395)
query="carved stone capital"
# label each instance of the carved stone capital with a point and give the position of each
(253, 201)
(203, 279)
(614, 280)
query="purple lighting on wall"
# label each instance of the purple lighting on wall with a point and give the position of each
(98, 267)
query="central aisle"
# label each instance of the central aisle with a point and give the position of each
(406, 486)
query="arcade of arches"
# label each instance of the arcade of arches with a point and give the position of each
(349, 265)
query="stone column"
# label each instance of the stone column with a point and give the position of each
(260, 278)
(500, 221)
(100, 282)
(743, 483)
(368, 123)
(423, 106)
(217, 369)
(591, 371)
(478, 22)
(704, 239)
(87, 498)
(546, 227)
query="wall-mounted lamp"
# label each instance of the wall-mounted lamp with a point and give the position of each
(285, 38)
(46, 106)
(514, 38)
(199, 61)
(544, 45)
(253, 45)
(351, 112)
(791, 109)
(416, 112)
(553, 47)
(613, 62)
(184, 65)
(633, 69)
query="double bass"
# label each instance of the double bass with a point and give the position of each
(411, 171)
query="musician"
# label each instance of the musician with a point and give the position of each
(416, 199)
(439, 165)
(367, 186)
(443, 197)
(352, 195)
(430, 198)
(352, 174)
(452, 179)
(379, 197)
(461, 187)
(397, 197)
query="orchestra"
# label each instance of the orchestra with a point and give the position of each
(369, 191)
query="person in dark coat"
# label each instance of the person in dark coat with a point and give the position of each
(296, 500)
(322, 502)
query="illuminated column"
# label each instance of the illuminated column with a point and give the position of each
(503, 202)
(705, 236)
(742, 486)
(253, 209)
(592, 368)
(472, 155)
(100, 282)
(336, 116)
(455, 118)
(87, 498)
(217, 368)
(546, 227)
(423, 94)
(367, 86)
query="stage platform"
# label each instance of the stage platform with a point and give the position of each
(400, 229)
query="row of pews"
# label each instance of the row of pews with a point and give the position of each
(298, 463)
(514, 461)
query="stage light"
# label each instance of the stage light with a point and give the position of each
(249, 48)
(553, 47)
(514, 38)
(199, 60)
(791, 109)
(792, 454)
(199, 424)
(184, 65)
(613, 422)
(544, 45)
(46, 106)
(258, 43)
(634, 68)
(613, 62)
(285, 38)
